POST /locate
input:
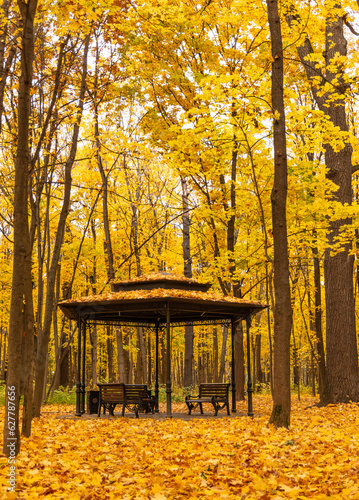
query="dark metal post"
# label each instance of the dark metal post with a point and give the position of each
(234, 404)
(156, 380)
(78, 384)
(249, 370)
(83, 368)
(169, 382)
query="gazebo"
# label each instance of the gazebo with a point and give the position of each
(160, 300)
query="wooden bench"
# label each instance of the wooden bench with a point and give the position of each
(134, 397)
(216, 394)
(138, 398)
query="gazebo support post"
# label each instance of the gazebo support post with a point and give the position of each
(156, 380)
(78, 384)
(249, 370)
(169, 382)
(83, 368)
(234, 404)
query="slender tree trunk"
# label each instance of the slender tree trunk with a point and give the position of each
(109, 345)
(27, 358)
(8, 30)
(50, 291)
(258, 357)
(282, 310)
(215, 354)
(106, 221)
(141, 358)
(149, 362)
(4, 361)
(187, 259)
(93, 340)
(120, 356)
(130, 359)
(126, 341)
(163, 372)
(222, 366)
(93, 334)
(239, 367)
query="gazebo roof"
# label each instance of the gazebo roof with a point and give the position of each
(145, 301)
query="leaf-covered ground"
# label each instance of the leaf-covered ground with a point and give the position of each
(228, 458)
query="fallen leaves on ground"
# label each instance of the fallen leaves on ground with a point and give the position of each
(226, 458)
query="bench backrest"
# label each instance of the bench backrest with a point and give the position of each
(113, 393)
(209, 390)
(135, 391)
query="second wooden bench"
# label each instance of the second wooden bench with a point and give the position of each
(134, 397)
(216, 394)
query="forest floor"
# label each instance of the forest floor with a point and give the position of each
(223, 458)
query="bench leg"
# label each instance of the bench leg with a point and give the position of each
(201, 408)
(190, 407)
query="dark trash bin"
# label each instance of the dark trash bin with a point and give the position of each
(92, 401)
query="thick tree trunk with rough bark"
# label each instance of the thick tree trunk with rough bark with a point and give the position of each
(282, 309)
(342, 377)
(342, 374)
(20, 316)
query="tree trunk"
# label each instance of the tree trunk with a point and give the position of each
(258, 358)
(9, 31)
(21, 279)
(50, 292)
(282, 310)
(109, 347)
(239, 366)
(120, 356)
(222, 367)
(215, 354)
(141, 367)
(187, 260)
(106, 223)
(93, 336)
(318, 321)
(188, 359)
(149, 361)
(342, 374)
(163, 370)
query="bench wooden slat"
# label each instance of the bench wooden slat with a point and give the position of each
(216, 393)
(134, 397)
